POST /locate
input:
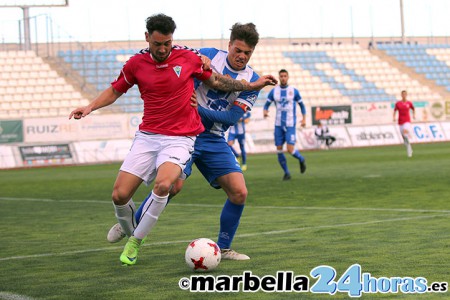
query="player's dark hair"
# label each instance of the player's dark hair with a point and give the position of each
(245, 32)
(283, 71)
(161, 23)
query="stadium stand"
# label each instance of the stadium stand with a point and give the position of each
(431, 60)
(326, 74)
(29, 87)
(340, 74)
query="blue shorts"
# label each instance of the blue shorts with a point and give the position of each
(283, 135)
(213, 157)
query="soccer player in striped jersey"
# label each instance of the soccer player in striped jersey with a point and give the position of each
(219, 110)
(237, 132)
(286, 97)
(165, 141)
(404, 120)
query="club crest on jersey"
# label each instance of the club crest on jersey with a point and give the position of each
(177, 70)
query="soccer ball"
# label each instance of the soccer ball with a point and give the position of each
(202, 255)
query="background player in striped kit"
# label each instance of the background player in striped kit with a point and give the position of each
(285, 98)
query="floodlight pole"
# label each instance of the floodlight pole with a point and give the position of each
(26, 28)
(25, 6)
(402, 21)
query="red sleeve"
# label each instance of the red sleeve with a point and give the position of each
(205, 75)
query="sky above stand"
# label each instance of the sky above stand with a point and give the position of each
(118, 20)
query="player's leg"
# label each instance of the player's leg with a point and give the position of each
(279, 136)
(220, 168)
(241, 141)
(234, 186)
(125, 186)
(405, 130)
(138, 166)
(231, 139)
(116, 233)
(170, 162)
(175, 189)
(167, 173)
(290, 141)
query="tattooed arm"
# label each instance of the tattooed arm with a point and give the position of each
(228, 84)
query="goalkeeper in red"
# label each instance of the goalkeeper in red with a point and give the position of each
(404, 120)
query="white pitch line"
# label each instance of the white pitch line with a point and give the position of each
(240, 235)
(11, 296)
(247, 206)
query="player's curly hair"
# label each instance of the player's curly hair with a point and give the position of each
(245, 32)
(161, 23)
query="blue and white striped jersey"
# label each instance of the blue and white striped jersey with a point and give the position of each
(223, 101)
(285, 99)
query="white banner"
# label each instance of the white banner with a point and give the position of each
(308, 140)
(102, 151)
(7, 159)
(371, 113)
(133, 124)
(373, 135)
(446, 129)
(428, 132)
(89, 128)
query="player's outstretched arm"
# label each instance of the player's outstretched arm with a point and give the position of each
(228, 118)
(227, 84)
(106, 98)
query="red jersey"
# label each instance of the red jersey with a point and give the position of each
(166, 88)
(403, 108)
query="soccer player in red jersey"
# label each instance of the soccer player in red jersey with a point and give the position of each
(165, 140)
(404, 120)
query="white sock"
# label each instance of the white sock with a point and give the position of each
(150, 214)
(125, 216)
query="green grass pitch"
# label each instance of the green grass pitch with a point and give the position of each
(369, 206)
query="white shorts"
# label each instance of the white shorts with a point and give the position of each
(150, 150)
(405, 126)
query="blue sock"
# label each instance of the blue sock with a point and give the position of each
(234, 151)
(138, 213)
(282, 161)
(298, 156)
(229, 222)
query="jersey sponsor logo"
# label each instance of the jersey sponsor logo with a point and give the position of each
(177, 70)
(284, 102)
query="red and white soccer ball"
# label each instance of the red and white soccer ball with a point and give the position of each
(202, 255)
